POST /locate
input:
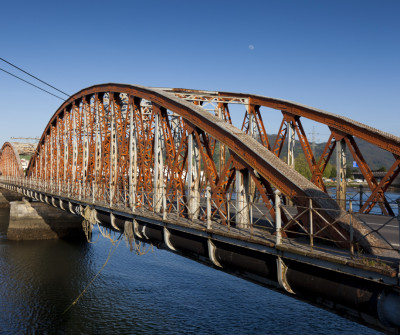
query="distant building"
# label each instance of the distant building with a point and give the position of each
(24, 163)
(378, 175)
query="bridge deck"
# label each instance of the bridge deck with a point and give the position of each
(261, 235)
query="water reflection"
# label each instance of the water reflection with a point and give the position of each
(359, 197)
(158, 293)
(39, 278)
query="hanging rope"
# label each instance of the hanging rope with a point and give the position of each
(113, 248)
(131, 243)
(129, 236)
(90, 220)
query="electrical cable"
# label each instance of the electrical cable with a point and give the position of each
(34, 77)
(32, 84)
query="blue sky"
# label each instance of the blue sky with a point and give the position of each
(340, 56)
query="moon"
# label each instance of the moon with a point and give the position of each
(251, 47)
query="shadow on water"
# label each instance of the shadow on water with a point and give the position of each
(38, 280)
(4, 219)
(157, 293)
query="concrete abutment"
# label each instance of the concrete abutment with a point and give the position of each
(6, 196)
(37, 220)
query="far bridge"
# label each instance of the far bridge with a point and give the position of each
(166, 166)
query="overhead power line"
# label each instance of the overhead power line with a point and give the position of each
(31, 84)
(34, 77)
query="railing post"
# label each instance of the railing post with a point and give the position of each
(188, 205)
(250, 202)
(341, 173)
(94, 191)
(228, 214)
(178, 203)
(278, 222)
(351, 228)
(311, 223)
(398, 221)
(164, 203)
(208, 198)
(110, 194)
(361, 194)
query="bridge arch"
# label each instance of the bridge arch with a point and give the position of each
(10, 162)
(344, 132)
(123, 153)
(137, 147)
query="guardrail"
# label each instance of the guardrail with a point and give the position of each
(305, 225)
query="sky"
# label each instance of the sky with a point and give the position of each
(341, 56)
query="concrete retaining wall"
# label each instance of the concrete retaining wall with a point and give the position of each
(39, 221)
(6, 196)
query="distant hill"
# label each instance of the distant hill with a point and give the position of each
(374, 156)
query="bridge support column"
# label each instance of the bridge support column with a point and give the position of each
(278, 218)
(97, 150)
(222, 148)
(341, 173)
(75, 152)
(132, 160)
(113, 156)
(242, 199)
(39, 221)
(193, 179)
(158, 181)
(291, 141)
(6, 196)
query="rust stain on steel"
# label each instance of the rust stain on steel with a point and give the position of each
(340, 127)
(88, 143)
(10, 162)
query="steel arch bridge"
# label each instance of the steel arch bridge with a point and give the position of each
(155, 163)
(161, 150)
(10, 162)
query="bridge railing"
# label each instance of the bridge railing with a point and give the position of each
(361, 195)
(309, 223)
(303, 225)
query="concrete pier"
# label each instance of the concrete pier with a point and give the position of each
(6, 196)
(39, 221)
(3, 201)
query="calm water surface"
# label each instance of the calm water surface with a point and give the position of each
(157, 293)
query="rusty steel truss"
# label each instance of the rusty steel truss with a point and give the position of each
(10, 162)
(136, 146)
(343, 133)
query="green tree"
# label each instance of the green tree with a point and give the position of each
(349, 171)
(333, 172)
(327, 171)
(302, 167)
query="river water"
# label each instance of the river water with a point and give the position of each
(156, 293)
